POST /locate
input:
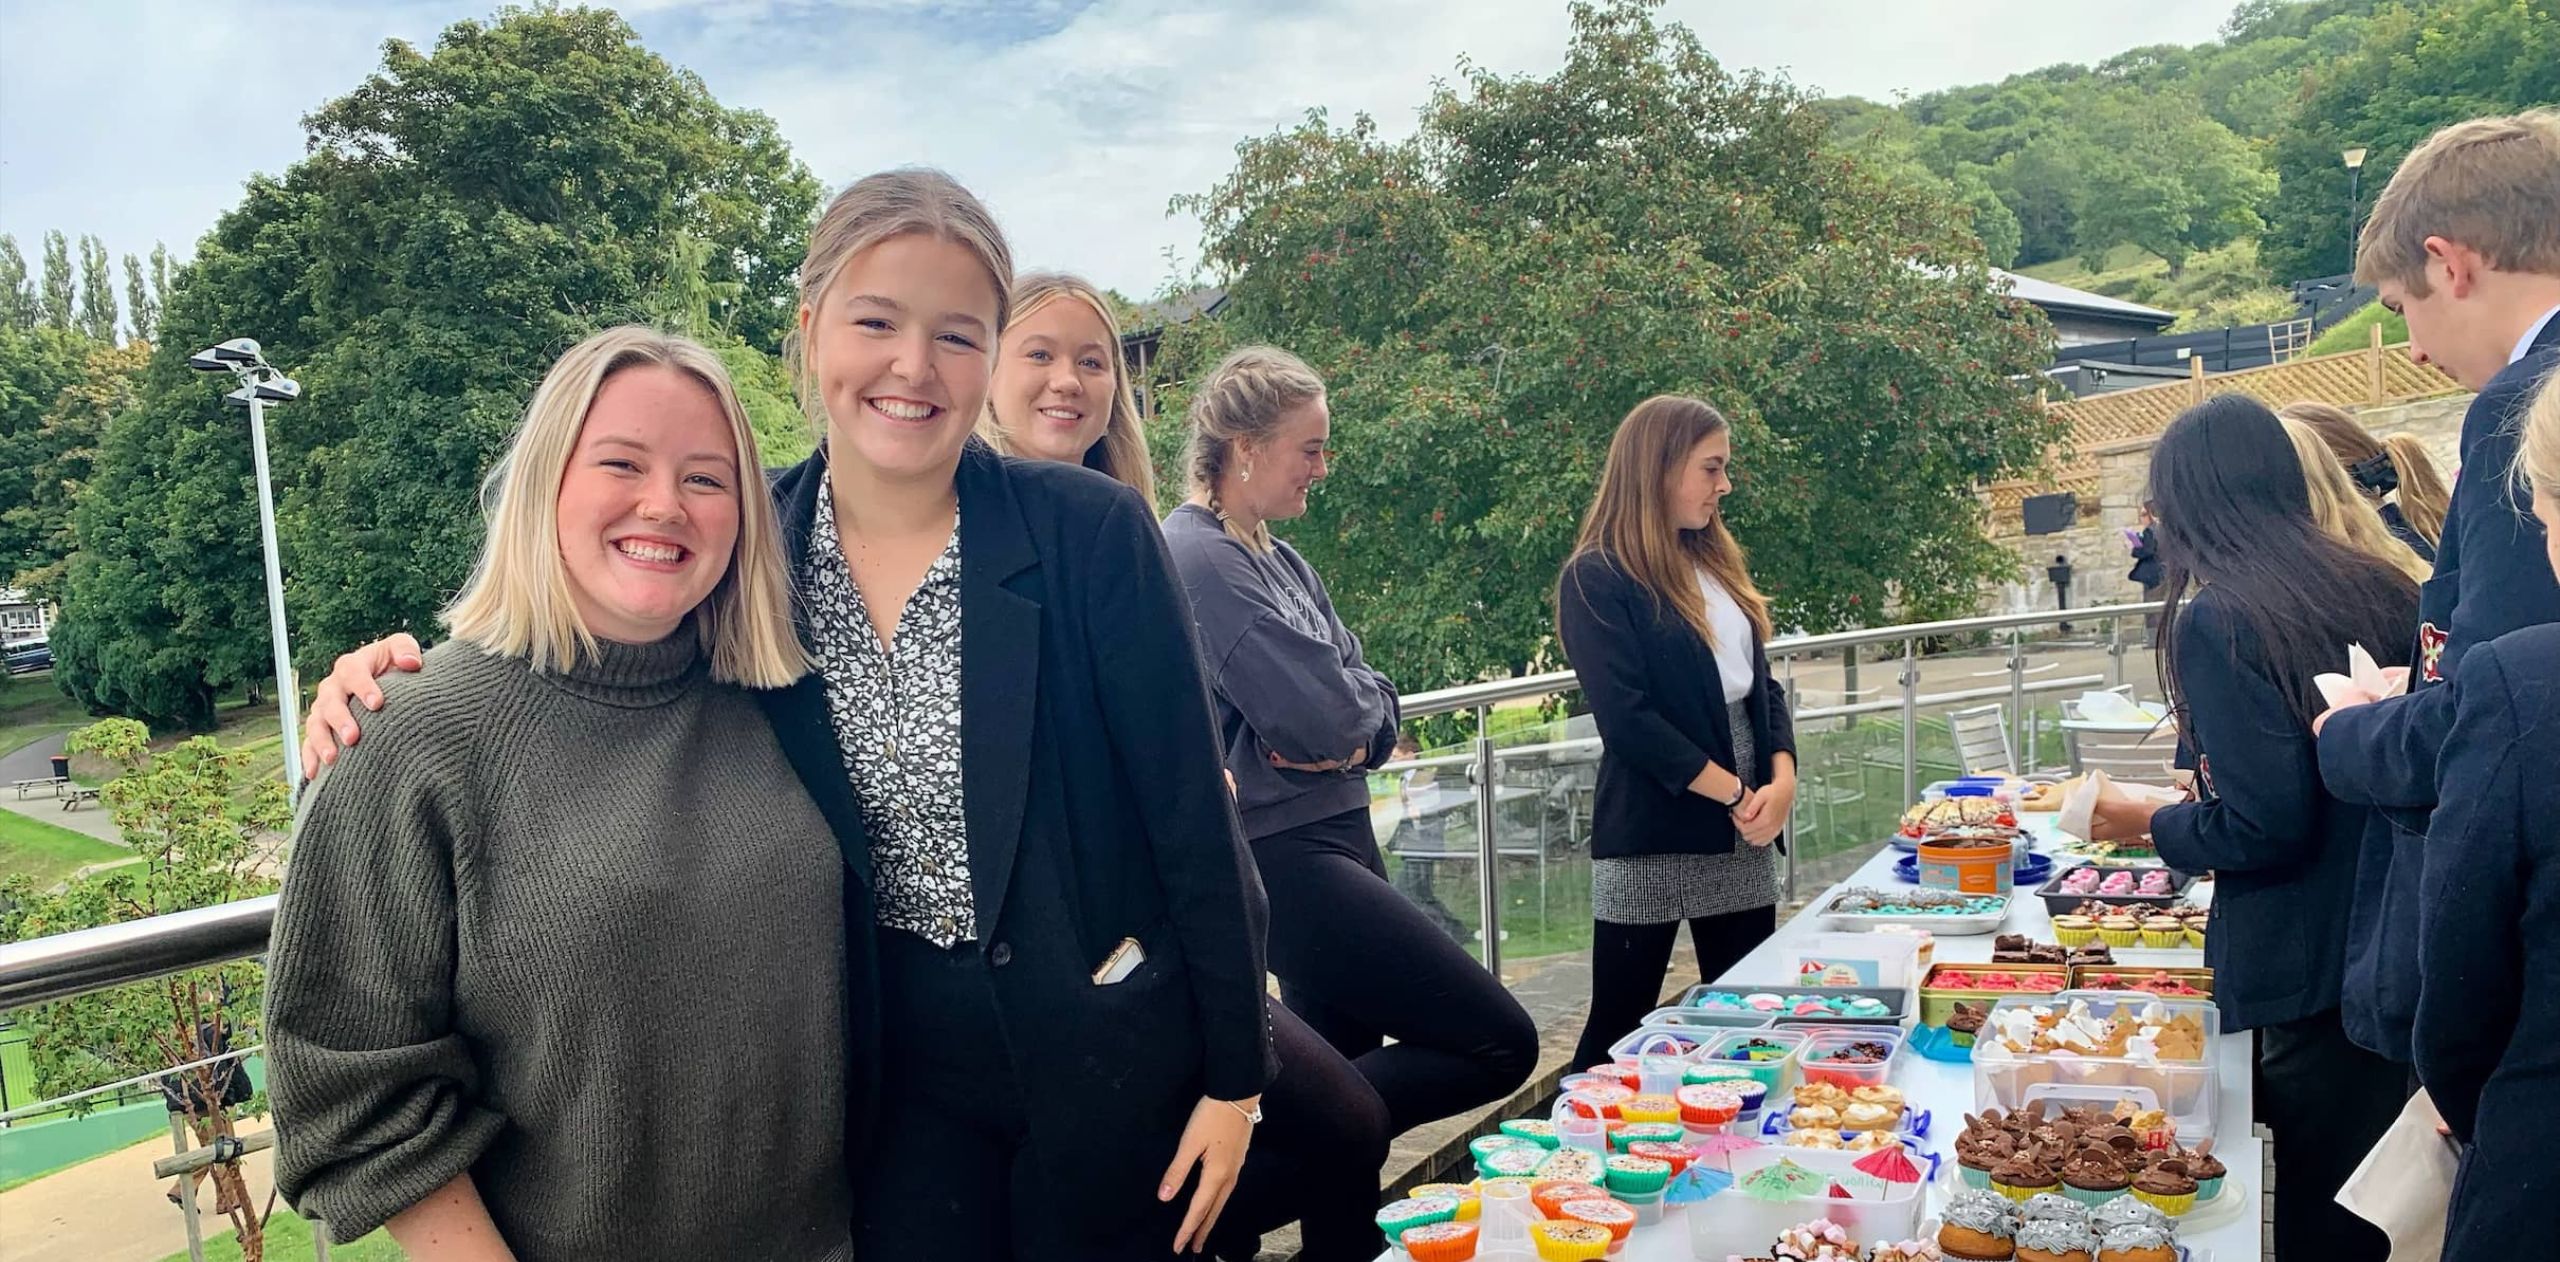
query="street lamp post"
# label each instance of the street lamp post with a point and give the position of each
(260, 385)
(2355, 189)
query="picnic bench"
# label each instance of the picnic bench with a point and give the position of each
(72, 799)
(52, 786)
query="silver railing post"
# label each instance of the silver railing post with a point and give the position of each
(2018, 700)
(1488, 855)
(186, 1190)
(1910, 720)
(2115, 652)
(1795, 806)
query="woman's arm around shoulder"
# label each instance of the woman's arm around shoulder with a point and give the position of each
(377, 1098)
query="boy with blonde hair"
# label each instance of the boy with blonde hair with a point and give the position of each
(2465, 244)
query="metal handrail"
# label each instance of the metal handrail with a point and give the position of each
(1493, 692)
(70, 964)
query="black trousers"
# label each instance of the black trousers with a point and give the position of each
(1628, 961)
(1315, 1158)
(954, 1174)
(954, 1179)
(2328, 1102)
(1362, 965)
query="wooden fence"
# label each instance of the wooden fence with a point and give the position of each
(2375, 376)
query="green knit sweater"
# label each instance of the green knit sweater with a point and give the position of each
(580, 935)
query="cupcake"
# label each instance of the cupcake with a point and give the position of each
(1625, 1134)
(2163, 933)
(1979, 1226)
(1573, 1164)
(1550, 1196)
(1709, 1105)
(1483, 1146)
(2023, 1176)
(2045, 1205)
(2075, 931)
(2208, 1171)
(1628, 1173)
(1650, 1108)
(2137, 1242)
(1469, 1205)
(1440, 1242)
(1512, 1163)
(1965, 1024)
(1416, 1211)
(1536, 1130)
(2166, 1187)
(1558, 1241)
(1614, 1217)
(2054, 1240)
(2094, 1177)
(2195, 931)
(2125, 1211)
(2120, 931)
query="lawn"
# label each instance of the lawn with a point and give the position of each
(48, 854)
(2218, 288)
(288, 1237)
(31, 707)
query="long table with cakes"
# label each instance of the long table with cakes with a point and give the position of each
(2159, 1098)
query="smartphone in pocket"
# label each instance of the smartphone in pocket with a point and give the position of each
(1124, 961)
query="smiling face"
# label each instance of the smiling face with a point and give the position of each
(1698, 484)
(1053, 385)
(899, 348)
(648, 511)
(1287, 463)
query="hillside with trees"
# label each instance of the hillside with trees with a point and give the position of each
(2227, 156)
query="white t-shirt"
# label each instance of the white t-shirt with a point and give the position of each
(1733, 638)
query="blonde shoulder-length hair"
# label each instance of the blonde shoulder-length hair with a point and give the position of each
(1121, 453)
(517, 602)
(2341, 512)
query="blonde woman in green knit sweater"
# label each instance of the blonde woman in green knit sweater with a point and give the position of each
(521, 1002)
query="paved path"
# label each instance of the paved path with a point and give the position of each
(110, 1209)
(35, 760)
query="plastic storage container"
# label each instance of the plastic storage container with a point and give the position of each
(1702, 1019)
(2187, 1090)
(2060, 904)
(1729, 1223)
(1814, 1057)
(1669, 1040)
(1776, 1073)
(1936, 1005)
(1896, 1000)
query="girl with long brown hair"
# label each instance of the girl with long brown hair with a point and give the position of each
(1660, 618)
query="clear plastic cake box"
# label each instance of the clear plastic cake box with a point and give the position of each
(1729, 1223)
(2188, 1091)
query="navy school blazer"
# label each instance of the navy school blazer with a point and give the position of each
(2488, 1029)
(1095, 811)
(2284, 851)
(1658, 699)
(2490, 578)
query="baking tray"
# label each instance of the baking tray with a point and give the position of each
(2060, 904)
(1940, 926)
(1896, 999)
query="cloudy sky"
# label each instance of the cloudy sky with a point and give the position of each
(137, 120)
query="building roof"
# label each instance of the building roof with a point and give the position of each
(2050, 296)
(1182, 308)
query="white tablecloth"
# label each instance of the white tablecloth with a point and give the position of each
(1946, 1090)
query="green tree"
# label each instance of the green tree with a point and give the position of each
(2415, 70)
(60, 292)
(37, 365)
(57, 462)
(19, 308)
(97, 318)
(2154, 172)
(462, 217)
(207, 834)
(1488, 298)
(141, 301)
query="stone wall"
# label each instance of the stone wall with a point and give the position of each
(2099, 556)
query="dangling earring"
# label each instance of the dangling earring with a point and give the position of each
(1247, 475)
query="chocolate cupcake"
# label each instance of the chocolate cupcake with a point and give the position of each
(2094, 1176)
(2209, 1173)
(2024, 1175)
(2166, 1187)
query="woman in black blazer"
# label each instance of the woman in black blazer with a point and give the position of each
(1668, 635)
(1057, 1026)
(2488, 1028)
(2259, 600)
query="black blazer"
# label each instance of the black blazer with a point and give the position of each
(1095, 811)
(2488, 1032)
(1659, 700)
(2284, 852)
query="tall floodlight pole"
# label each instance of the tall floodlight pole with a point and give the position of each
(2355, 201)
(260, 385)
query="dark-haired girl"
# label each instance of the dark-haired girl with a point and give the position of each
(2259, 600)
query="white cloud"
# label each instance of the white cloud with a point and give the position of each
(1077, 121)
